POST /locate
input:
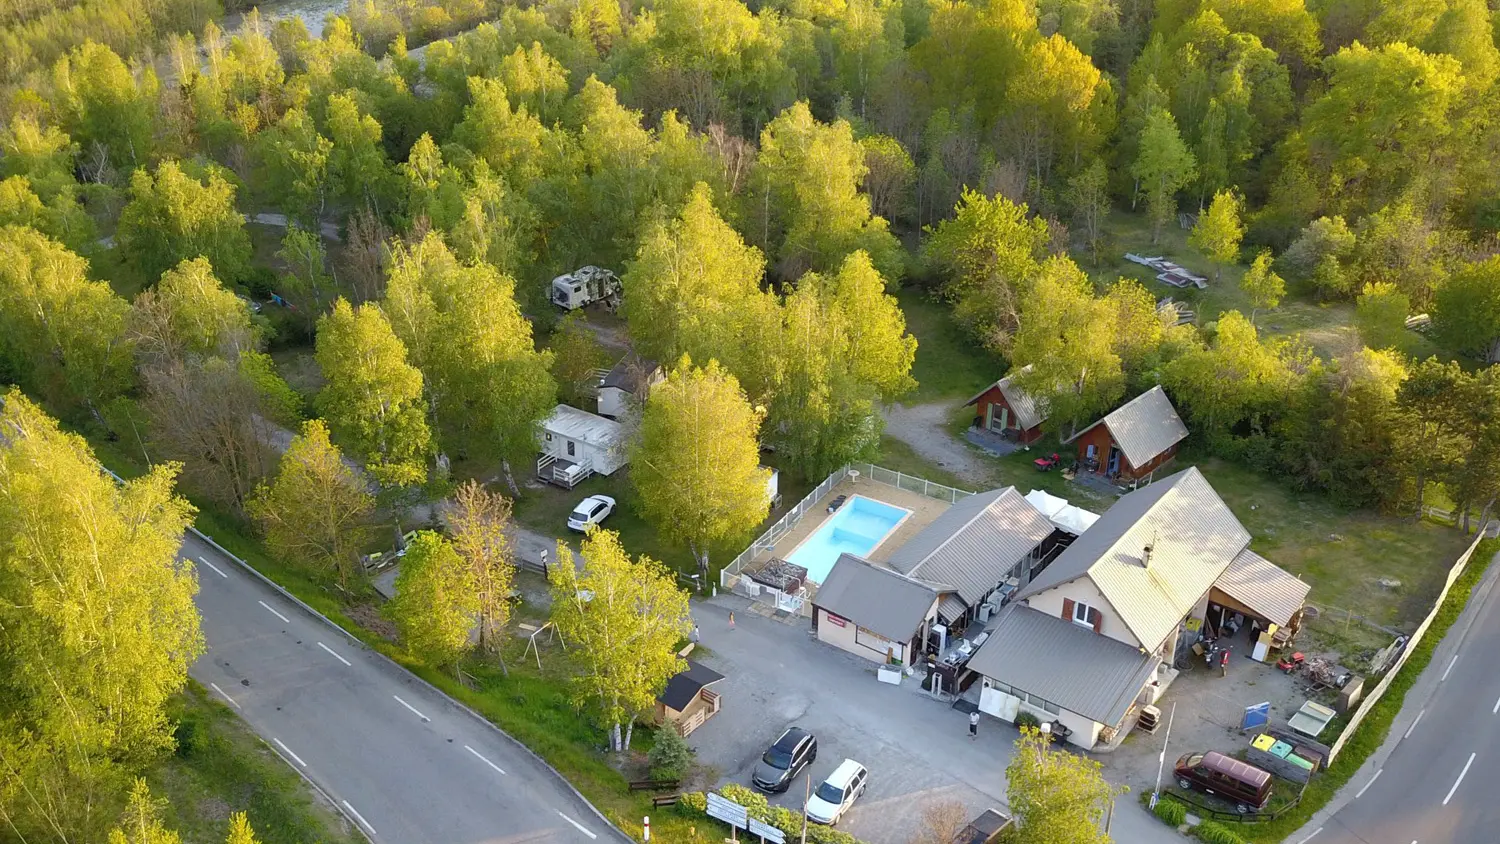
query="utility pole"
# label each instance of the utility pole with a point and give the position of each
(1161, 760)
(806, 796)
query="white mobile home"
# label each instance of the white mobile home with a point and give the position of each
(575, 444)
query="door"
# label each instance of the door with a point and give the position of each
(1114, 460)
(570, 448)
(1004, 418)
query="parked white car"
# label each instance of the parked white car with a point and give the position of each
(590, 511)
(833, 798)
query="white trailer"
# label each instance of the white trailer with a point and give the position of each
(585, 287)
(575, 444)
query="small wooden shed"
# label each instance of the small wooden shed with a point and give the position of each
(687, 701)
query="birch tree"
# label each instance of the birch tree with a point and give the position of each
(435, 601)
(317, 511)
(1164, 167)
(623, 620)
(99, 623)
(487, 387)
(477, 522)
(1067, 337)
(373, 396)
(1057, 797)
(697, 461)
(62, 333)
(1218, 231)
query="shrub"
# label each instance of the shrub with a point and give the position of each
(1171, 812)
(693, 803)
(1216, 833)
(1027, 719)
(670, 756)
(753, 801)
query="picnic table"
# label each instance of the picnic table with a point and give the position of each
(1311, 719)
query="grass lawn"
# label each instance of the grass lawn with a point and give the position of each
(949, 365)
(898, 456)
(1342, 553)
(221, 767)
(545, 509)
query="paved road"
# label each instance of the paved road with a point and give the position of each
(1437, 786)
(406, 762)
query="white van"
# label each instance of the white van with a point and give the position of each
(837, 793)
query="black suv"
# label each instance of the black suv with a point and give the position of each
(784, 760)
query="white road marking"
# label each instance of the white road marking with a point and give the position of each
(484, 760)
(1460, 779)
(274, 612)
(1311, 837)
(1449, 668)
(1414, 724)
(1496, 709)
(577, 824)
(335, 656)
(226, 694)
(1361, 792)
(214, 567)
(295, 757)
(412, 708)
(359, 817)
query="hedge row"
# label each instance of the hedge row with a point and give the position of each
(695, 805)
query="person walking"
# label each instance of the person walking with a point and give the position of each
(731, 619)
(973, 725)
(695, 637)
(1224, 664)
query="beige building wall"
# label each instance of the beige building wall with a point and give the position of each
(848, 636)
(1082, 590)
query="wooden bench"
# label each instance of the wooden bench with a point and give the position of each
(660, 800)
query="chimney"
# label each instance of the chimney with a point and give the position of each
(1146, 556)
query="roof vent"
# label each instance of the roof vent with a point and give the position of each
(1146, 556)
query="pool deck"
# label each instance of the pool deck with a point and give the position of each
(924, 511)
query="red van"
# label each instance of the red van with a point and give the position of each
(1243, 784)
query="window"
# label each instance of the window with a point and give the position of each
(570, 448)
(1082, 613)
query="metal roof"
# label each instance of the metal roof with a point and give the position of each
(1064, 663)
(1192, 537)
(685, 685)
(875, 598)
(1143, 427)
(951, 607)
(575, 424)
(1263, 586)
(1028, 414)
(631, 373)
(975, 543)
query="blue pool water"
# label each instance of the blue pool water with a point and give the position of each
(856, 528)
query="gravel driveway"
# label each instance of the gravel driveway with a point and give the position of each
(924, 427)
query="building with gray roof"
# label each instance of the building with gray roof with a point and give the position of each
(975, 546)
(873, 611)
(1097, 630)
(1133, 440)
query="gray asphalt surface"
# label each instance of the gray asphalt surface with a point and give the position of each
(406, 763)
(1438, 784)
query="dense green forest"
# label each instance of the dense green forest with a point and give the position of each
(737, 162)
(764, 177)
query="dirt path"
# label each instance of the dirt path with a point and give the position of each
(924, 427)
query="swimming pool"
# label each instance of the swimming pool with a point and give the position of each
(857, 528)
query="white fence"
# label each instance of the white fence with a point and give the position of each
(1385, 682)
(793, 517)
(788, 520)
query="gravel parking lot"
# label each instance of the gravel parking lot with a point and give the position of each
(917, 749)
